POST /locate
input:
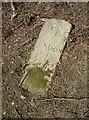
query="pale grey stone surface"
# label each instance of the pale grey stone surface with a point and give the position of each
(46, 54)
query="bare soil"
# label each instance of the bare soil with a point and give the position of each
(67, 96)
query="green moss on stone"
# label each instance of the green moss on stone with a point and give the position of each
(35, 78)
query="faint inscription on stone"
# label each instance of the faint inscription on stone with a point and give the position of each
(46, 54)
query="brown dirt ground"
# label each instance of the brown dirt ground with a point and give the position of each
(67, 96)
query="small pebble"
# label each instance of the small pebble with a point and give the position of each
(22, 97)
(4, 113)
(12, 103)
(12, 72)
(9, 46)
(75, 57)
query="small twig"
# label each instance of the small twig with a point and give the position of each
(14, 13)
(19, 114)
(63, 98)
(12, 5)
(37, 26)
(86, 113)
(23, 44)
(17, 26)
(24, 76)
